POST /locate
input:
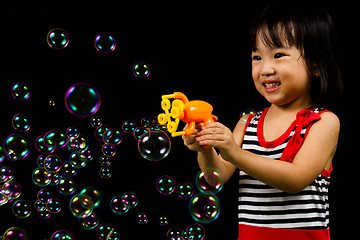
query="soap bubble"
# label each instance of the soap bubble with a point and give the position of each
(105, 172)
(174, 233)
(68, 169)
(130, 199)
(142, 218)
(66, 186)
(89, 222)
(209, 180)
(20, 91)
(21, 123)
(21, 208)
(44, 195)
(16, 147)
(165, 185)
(105, 42)
(52, 163)
(140, 132)
(129, 126)
(82, 100)
(245, 112)
(109, 150)
(154, 146)
(54, 205)
(99, 132)
(15, 233)
(113, 136)
(204, 207)
(6, 174)
(57, 38)
(94, 194)
(62, 235)
(42, 147)
(77, 161)
(96, 121)
(41, 177)
(106, 231)
(81, 205)
(141, 69)
(195, 232)
(185, 190)
(117, 206)
(56, 138)
(163, 220)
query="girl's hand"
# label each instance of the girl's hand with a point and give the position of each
(190, 141)
(217, 135)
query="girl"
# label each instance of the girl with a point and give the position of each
(284, 153)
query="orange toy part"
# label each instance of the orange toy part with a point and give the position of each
(190, 112)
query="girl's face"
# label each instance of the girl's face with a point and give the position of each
(280, 75)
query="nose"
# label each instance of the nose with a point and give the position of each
(267, 69)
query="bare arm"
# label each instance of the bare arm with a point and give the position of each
(315, 154)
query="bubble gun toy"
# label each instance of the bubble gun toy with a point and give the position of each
(190, 112)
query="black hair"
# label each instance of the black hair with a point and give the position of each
(310, 29)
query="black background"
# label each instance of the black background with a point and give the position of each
(196, 47)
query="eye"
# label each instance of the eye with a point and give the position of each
(256, 58)
(279, 55)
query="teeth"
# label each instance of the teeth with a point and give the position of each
(269, 85)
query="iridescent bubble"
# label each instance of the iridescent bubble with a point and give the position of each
(40, 206)
(16, 147)
(142, 218)
(6, 174)
(165, 185)
(78, 144)
(96, 121)
(185, 190)
(81, 205)
(130, 199)
(57, 38)
(15, 233)
(20, 91)
(105, 172)
(204, 207)
(76, 160)
(89, 222)
(106, 231)
(72, 132)
(13, 188)
(245, 112)
(54, 205)
(174, 233)
(113, 136)
(44, 195)
(44, 214)
(139, 132)
(2, 154)
(141, 69)
(117, 206)
(52, 163)
(82, 100)
(42, 147)
(62, 235)
(108, 150)
(94, 194)
(105, 42)
(41, 177)
(209, 180)
(66, 186)
(154, 146)
(68, 169)
(163, 221)
(129, 126)
(21, 122)
(56, 138)
(105, 161)
(195, 232)
(21, 208)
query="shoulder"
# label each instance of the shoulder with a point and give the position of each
(329, 120)
(329, 125)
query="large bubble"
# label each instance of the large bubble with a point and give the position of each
(204, 207)
(154, 146)
(16, 147)
(82, 100)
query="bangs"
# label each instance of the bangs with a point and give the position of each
(276, 35)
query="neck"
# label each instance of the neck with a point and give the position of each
(292, 107)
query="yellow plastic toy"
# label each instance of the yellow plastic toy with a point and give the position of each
(181, 108)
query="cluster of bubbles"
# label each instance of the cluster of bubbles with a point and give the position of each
(54, 170)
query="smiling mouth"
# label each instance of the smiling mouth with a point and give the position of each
(271, 86)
